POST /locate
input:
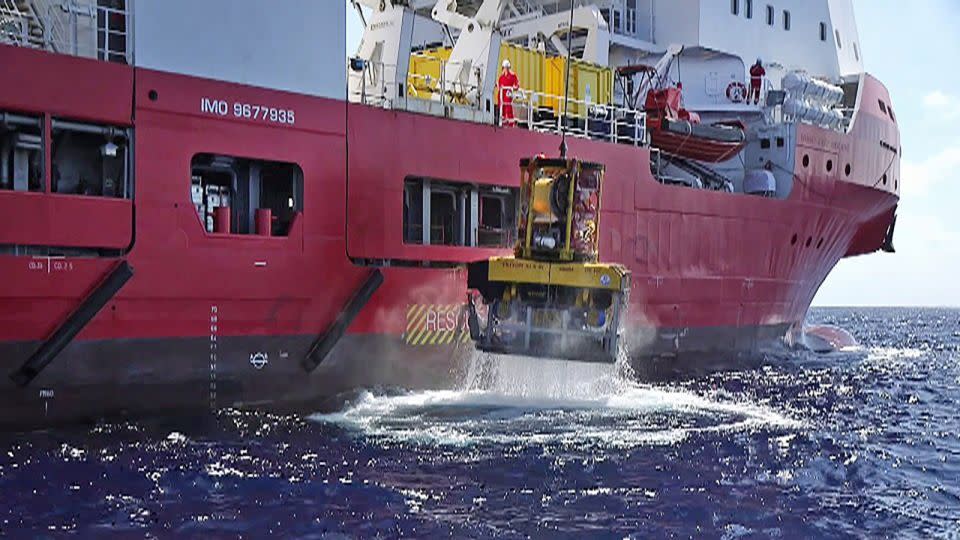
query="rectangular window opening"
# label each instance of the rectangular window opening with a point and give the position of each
(883, 106)
(631, 15)
(498, 217)
(786, 20)
(263, 197)
(771, 15)
(445, 213)
(90, 160)
(748, 8)
(21, 153)
(823, 31)
(735, 7)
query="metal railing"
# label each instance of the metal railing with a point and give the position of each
(15, 25)
(375, 84)
(433, 82)
(75, 27)
(537, 112)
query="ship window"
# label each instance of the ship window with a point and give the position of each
(631, 15)
(21, 153)
(823, 31)
(497, 217)
(786, 20)
(883, 106)
(89, 159)
(781, 142)
(735, 7)
(748, 8)
(254, 190)
(444, 225)
(771, 15)
(839, 43)
(444, 213)
(765, 144)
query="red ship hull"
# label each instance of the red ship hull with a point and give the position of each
(714, 274)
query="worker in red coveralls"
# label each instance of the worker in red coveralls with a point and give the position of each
(508, 83)
(757, 73)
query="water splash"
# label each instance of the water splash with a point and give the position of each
(527, 401)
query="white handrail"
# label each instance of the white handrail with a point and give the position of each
(375, 84)
(14, 24)
(584, 119)
(76, 27)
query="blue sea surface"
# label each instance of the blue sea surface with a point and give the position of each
(863, 443)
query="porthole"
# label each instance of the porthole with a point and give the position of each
(847, 170)
(153, 95)
(884, 179)
(793, 241)
(829, 165)
(809, 241)
(806, 160)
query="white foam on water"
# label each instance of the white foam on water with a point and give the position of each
(893, 353)
(525, 401)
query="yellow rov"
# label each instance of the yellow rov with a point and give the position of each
(553, 298)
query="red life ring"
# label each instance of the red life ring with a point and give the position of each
(737, 92)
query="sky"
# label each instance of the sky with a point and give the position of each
(912, 47)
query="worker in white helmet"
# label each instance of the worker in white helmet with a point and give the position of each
(506, 86)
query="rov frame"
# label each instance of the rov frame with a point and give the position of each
(553, 298)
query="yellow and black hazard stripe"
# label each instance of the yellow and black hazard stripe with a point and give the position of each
(435, 324)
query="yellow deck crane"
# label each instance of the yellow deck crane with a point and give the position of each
(553, 298)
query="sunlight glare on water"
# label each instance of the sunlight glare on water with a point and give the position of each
(528, 401)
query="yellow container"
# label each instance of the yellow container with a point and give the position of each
(528, 64)
(423, 77)
(538, 73)
(590, 83)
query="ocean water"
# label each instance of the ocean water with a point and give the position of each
(864, 443)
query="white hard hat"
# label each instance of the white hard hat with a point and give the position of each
(506, 64)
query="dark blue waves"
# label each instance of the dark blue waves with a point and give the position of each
(862, 443)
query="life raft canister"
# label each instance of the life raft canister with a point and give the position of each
(736, 92)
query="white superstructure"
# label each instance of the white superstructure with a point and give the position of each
(809, 51)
